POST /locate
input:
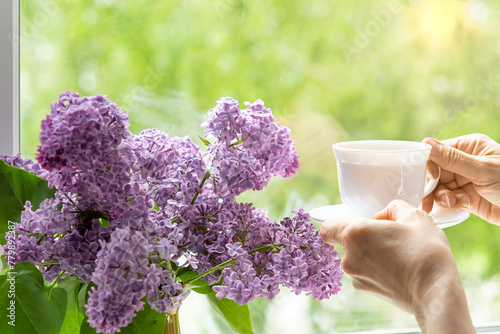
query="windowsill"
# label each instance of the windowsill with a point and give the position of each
(493, 328)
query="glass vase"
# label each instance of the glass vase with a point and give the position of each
(172, 322)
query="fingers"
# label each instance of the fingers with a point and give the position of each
(471, 144)
(482, 207)
(433, 169)
(452, 198)
(400, 211)
(341, 231)
(428, 203)
(333, 231)
(445, 197)
(452, 159)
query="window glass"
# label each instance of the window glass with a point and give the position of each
(331, 70)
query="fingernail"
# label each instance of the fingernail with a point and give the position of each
(434, 170)
(445, 201)
(464, 202)
(435, 144)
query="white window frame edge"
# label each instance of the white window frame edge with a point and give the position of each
(492, 328)
(9, 77)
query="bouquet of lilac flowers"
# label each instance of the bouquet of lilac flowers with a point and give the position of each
(141, 220)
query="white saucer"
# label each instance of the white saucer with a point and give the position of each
(442, 217)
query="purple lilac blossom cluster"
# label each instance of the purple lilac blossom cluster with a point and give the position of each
(249, 147)
(133, 213)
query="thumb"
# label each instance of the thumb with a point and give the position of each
(334, 231)
(403, 212)
(453, 160)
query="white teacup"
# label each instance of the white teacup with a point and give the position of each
(372, 173)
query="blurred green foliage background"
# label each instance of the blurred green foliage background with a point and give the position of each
(331, 70)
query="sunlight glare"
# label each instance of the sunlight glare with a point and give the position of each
(437, 21)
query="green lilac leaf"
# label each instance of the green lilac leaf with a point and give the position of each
(104, 222)
(16, 187)
(146, 321)
(186, 275)
(83, 296)
(236, 316)
(206, 142)
(74, 316)
(236, 143)
(199, 285)
(203, 290)
(82, 299)
(38, 309)
(85, 328)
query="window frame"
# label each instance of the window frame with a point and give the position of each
(9, 77)
(492, 328)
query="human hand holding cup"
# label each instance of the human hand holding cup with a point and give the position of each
(372, 173)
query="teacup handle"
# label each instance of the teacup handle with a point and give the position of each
(432, 184)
